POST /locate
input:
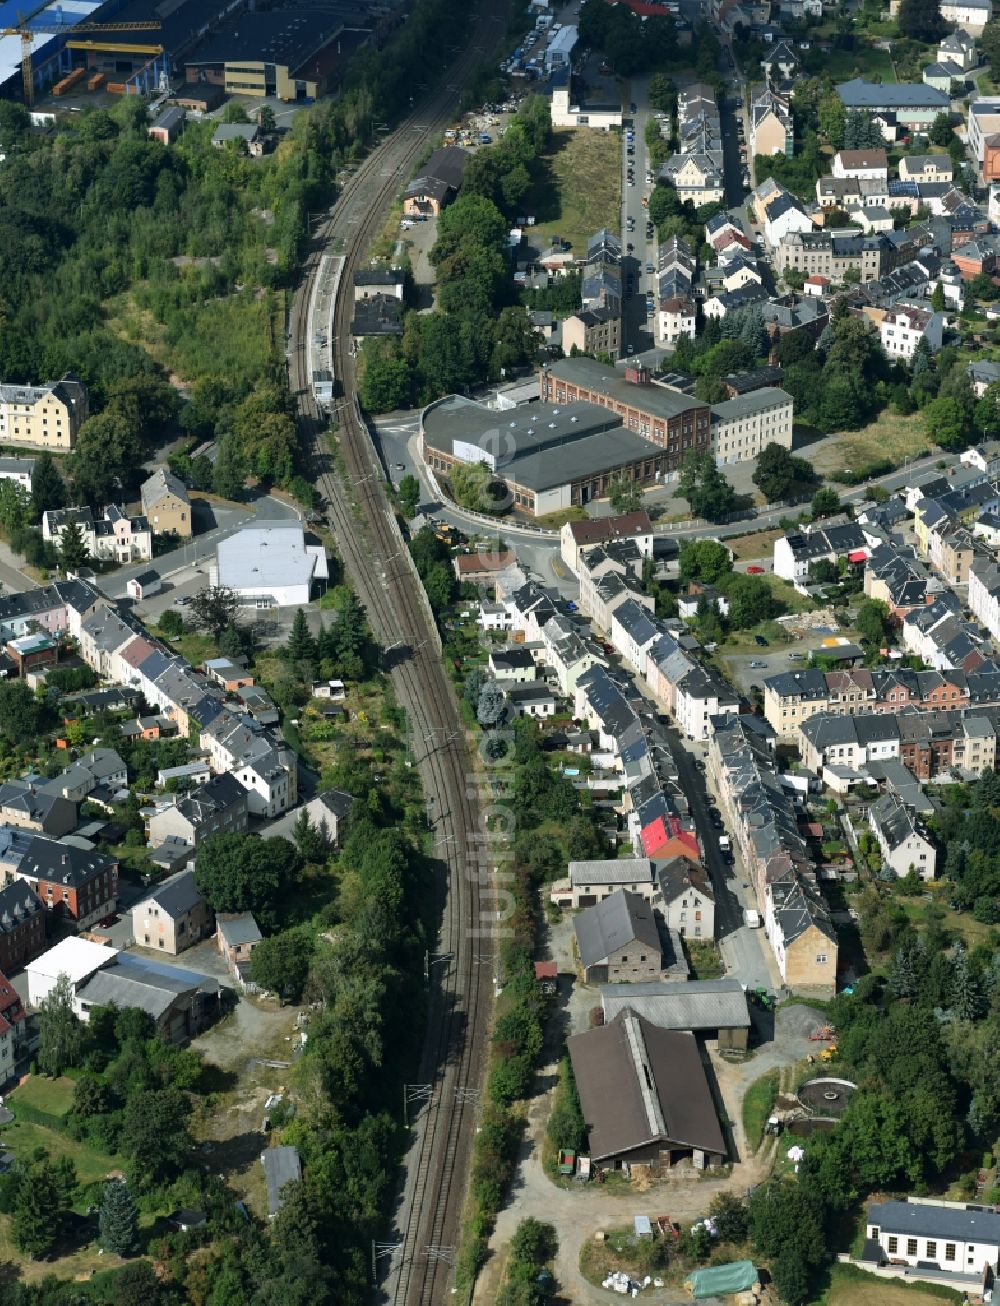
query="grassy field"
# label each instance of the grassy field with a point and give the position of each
(22, 1137)
(578, 188)
(554, 521)
(52, 1095)
(864, 62)
(852, 1287)
(758, 1103)
(891, 436)
(758, 545)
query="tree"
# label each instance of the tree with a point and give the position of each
(945, 422)
(778, 474)
(872, 622)
(72, 549)
(312, 841)
(941, 132)
(704, 560)
(37, 1214)
(214, 608)
(48, 489)
(230, 472)
(920, 20)
(60, 1033)
(409, 495)
(938, 302)
(172, 623)
(22, 716)
(750, 601)
(825, 502)
(661, 93)
(492, 704)
(154, 1132)
(786, 1226)
(706, 489)
(832, 119)
(732, 1219)
(280, 964)
(301, 646)
(108, 455)
(384, 377)
(136, 1284)
(625, 495)
(239, 872)
(118, 1219)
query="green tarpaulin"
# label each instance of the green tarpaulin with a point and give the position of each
(719, 1280)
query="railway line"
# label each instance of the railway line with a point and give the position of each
(415, 1266)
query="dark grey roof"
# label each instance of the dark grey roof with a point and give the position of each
(176, 895)
(130, 981)
(934, 1221)
(62, 863)
(861, 94)
(281, 1166)
(608, 381)
(237, 928)
(696, 1004)
(619, 920)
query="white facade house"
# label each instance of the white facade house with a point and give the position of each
(957, 1238)
(633, 631)
(566, 112)
(74, 957)
(113, 537)
(18, 470)
(971, 15)
(984, 594)
(743, 426)
(270, 566)
(983, 121)
(591, 882)
(687, 899)
(676, 318)
(902, 843)
(904, 326)
(699, 696)
(783, 216)
(865, 165)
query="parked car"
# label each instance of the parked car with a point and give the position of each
(755, 570)
(757, 665)
(760, 641)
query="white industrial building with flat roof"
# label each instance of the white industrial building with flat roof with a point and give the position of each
(73, 957)
(270, 566)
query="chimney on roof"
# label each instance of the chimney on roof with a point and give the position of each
(638, 375)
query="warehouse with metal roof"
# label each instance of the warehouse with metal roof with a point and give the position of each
(714, 1008)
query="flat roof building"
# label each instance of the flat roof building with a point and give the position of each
(270, 566)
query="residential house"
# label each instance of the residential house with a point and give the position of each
(695, 177)
(173, 917)
(438, 183)
(77, 884)
(971, 15)
(369, 281)
(112, 537)
(375, 317)
(771, 127)
(237, 934)
(513, 664)
(18, 470)
(780, 62)
(903, 844)
(903, 327)
(983, 372)
(328, 813)
(12, 1011)
(644, 1096)
(29, 806)
(698, 697)
(983, 122)
(578, 535)
(100, 767)
(687, 898)
(535, 700)
(217, 807)
(591, 882)
(926, 168)
(45, 416)
(872, 165)
(618, 939)
(942, 75)
(743, 426)
(952, 1238)
(958, 47)
(243, 136)
(22, 928)
(675, 317)
(573, 104)
(166, 504)
(633, 630)
(833, 254)
(796, 552)
(594, 331)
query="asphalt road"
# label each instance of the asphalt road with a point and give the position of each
(637, 328)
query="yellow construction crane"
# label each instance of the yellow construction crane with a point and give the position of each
(28, 33)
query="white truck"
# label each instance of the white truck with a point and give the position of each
(752, 918)
(724, 843)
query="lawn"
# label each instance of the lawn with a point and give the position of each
(577, 189)
(759, 544)
(758, 1103)
(842, 65)
(891, 437)
(850, 1286)
(23, 1136)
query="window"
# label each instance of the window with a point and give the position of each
(821, 959)
(893, 1245)
(624, 958)
(949, 1251)
(931, 1250)
(911, 1246)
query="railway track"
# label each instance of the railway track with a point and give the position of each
(415, 1267)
